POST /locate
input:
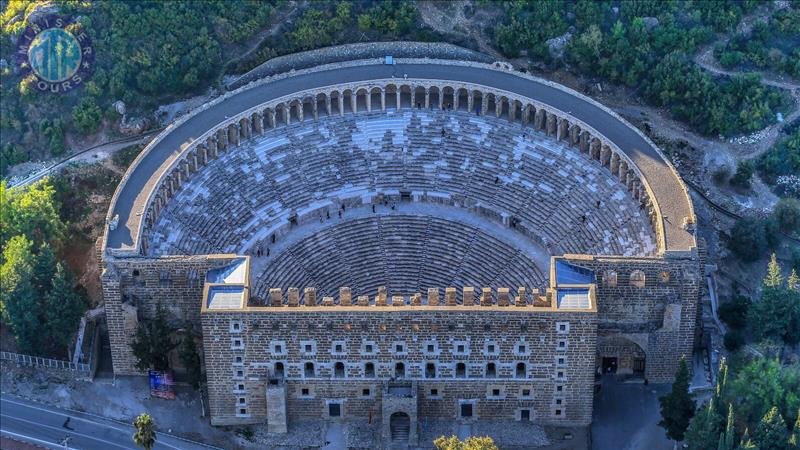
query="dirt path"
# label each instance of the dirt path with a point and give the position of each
(705, 57)
(448, 18)
(92, 154)
(255, 42)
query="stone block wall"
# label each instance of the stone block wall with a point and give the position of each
(244, 348)
(652, 302)
(133, 287)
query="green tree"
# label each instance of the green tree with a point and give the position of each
(471, 443)
(746, 443)
(748, 239)
(152, 342)
(677, 407)
(762, 384)
(777, 312)
(787, 213)
(734, 311)
(145, 435)
(794, 438)
(191, 360)
(86, 115)
(31, 211)
(704, 429)
(771, 433)
(744, 173)
(18, 299)
(44, 269)
(726, 437)
(63, 309)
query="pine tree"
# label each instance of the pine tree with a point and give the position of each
(191, 360)
(793, 282)
(773, 316)
(774, 279)
(704, 429)
(145, 435)
(677, 407)
(63, 309)
(18, 298)
(746, 443)
(726, 437)
(152, 342)
(794, 438)
(771, 433)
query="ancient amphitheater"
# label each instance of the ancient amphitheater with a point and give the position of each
(406, 239)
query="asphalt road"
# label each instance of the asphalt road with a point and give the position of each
(44, 425)
(626, 417)
(664, 182)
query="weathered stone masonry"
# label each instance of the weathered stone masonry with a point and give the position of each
(276, 336)
(469, 355)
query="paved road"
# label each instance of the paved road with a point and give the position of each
(664, 182)
(626, 417)
(44, 425)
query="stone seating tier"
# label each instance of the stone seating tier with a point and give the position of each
(545, 191)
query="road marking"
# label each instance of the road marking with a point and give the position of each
(72, 433)
(33, 439)
(98, 424)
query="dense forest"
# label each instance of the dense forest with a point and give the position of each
(648, 45)
(153, 52)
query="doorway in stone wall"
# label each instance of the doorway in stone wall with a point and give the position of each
(609, 365)
(399, 426)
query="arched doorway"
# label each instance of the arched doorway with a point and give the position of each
(399, 426)
(621, 356)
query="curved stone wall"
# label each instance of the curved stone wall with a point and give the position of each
(383, 94)
(347, 97)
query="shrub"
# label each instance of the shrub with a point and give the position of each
(734, 311)
(744, 172)
(734, 340)
(86, 116)
(787, 214)
(748, 239)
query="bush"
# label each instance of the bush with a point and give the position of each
(744, 172)
(787, 214)
(86, 116)
(748, 239)
(734, 340)
(734, 311)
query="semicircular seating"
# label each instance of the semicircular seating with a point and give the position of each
(557, 197)
(405, 253)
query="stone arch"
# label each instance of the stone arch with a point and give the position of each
(295, 110)
(448, 97)
(405, 96)
(419, 96)
(461, 99)
(504, 107)
(622, 355)
(376, 99)
(347, 101)
(610, 278)
(637, 278)
(434, 97)
(280, 114)
(321, 101)
(392, 96)
(477, 102)
(399, 426)
(362, 99)
(491, 103)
